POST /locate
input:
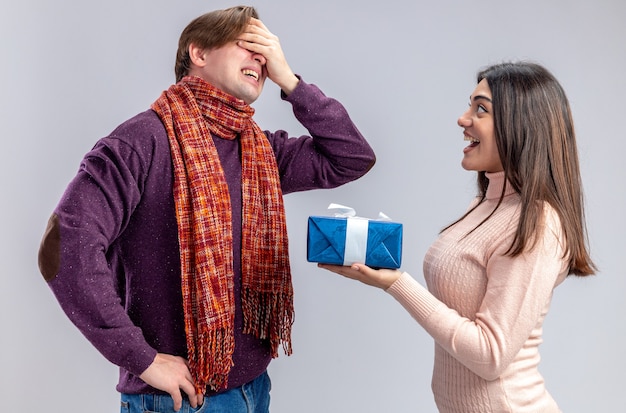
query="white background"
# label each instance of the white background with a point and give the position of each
(73, 70)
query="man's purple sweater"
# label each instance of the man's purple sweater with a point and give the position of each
(110, 253)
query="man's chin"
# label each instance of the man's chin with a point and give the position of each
(250, 98)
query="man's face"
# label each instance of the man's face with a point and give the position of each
(235, 70)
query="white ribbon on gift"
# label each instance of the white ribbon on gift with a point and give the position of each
(356, 233)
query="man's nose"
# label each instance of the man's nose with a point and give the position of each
(259, 58)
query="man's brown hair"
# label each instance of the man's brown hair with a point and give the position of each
(210, 31)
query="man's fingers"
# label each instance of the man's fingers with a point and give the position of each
(258, 23)
(257, 38)
(190, 391)
(256, 32)
(177, 397)
(171, 374)
(199, 399)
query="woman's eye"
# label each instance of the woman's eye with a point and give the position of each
(479, 108)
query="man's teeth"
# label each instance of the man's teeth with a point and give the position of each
(471, 139)
(251, 73)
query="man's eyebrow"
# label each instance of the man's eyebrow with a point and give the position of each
(478, 97)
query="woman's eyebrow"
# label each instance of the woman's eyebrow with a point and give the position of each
(478, 97)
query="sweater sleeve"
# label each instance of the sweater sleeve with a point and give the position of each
(335, 152)
(92, 212)
(518, 294)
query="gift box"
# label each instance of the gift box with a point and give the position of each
(343, 240)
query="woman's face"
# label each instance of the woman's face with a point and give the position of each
(477, 123)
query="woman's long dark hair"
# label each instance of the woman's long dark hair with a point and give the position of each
(534, 133)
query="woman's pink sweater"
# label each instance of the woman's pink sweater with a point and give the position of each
(485, 310)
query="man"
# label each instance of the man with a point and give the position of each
(169, 249)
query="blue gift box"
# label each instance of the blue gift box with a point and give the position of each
(345, 240)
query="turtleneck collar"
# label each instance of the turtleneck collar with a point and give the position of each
(496, 182)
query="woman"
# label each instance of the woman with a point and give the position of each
(491, 273)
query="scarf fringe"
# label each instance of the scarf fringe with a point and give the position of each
(212, 359)
(259, 309)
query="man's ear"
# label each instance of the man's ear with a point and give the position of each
(197, 55)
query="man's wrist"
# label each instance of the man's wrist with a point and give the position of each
(289, 85)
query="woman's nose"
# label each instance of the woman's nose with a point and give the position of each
(464, 120)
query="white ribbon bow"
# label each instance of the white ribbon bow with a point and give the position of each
(356, 233)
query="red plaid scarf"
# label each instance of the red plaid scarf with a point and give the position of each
(191, 110)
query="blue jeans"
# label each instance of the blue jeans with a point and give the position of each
(253, 397)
